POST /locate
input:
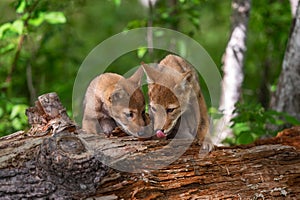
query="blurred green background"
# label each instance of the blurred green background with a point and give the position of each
(43, 43)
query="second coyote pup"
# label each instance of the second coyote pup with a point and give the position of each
(176, 101)
(112, 101)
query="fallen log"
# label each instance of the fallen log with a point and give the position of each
(55, 159)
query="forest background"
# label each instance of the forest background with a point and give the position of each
(43, 43)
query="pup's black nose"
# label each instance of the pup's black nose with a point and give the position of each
(140, 133)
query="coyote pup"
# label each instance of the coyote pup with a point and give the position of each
(176, 102)
(112, 101)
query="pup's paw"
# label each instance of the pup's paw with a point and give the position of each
(206, 146)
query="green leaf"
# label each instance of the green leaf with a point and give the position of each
(213, 110)
(18, 26)
(245, 138)
(273, 88)
(1, 112)
(158, 33)
(16, 124)
(292, 120)
(6, 49)
(15, 27)
(17, 110)
(215, 113)
(182, 48)
(21, 7)
(271, 119)
(38, 20)
(117, 2)
(165, 15)
(196, 22)
(136, 24)
(240, 127)
(8, 107)
(4, 28)
(55, 18)
(141, 51)
(276, 113)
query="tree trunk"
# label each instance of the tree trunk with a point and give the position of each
(287, 96)
(233, 63)
(55, 159)
(294, 4)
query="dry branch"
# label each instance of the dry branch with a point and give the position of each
(56, 159)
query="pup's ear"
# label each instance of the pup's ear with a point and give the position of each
(151, 73)
(118, 95)
(136, 78)
(187, 77)
(185, 83)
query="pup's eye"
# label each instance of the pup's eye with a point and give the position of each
(153, 109)
(129, 115)
(169, 110)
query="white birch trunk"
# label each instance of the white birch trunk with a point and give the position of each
(294, 4)
(233, 62)
(287, 96)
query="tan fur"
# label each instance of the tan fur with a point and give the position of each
(176, 100)
(110, 100)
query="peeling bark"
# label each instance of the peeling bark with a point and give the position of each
(55, 159)
(233, 63)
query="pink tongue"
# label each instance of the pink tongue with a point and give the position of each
(160, 134)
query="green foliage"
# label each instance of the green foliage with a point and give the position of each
(182, 15)
(267, 36)
(27, 15)
(252, 121)
(179, 15)
(17, 53)
(117, 2)
(53, 38)
(12, 115)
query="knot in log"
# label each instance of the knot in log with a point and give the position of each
(66, 160)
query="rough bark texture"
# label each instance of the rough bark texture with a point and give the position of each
(287, 96)
(49, 160)
(233, 62)
(55, 159)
